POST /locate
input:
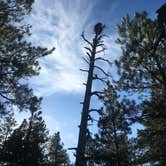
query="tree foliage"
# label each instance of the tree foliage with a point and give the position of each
(57, 155)
(143, 62)
(18, 57)
(111, 144)
(142, 68)
(25, 146)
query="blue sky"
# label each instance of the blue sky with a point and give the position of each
(59, 23)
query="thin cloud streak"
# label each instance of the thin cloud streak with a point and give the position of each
(58, 25)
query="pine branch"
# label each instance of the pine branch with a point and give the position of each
(7, 98)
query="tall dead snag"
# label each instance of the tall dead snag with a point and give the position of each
(95, 47)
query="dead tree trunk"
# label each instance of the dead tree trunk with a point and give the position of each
(92, 51)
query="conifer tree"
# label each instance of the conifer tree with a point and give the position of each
(25, 146)
(6, 128)
(57, 155)
(111, 146)
(18, 57)
(142, 69)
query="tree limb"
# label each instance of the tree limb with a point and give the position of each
(87, 48)
(102, 50)
(85, 60)
(97, 93)
(83, 36)
(103, 59)
(99, 68)
(84, 70)
(99, 111)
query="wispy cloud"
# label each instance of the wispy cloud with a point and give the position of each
(59, 24)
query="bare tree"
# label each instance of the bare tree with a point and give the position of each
(96, 46)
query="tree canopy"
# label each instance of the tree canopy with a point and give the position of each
(18, 57)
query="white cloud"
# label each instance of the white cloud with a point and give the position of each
(59, 24)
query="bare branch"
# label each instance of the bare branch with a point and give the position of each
(101, 79)
(99, 68)
(83, 36)
(97, 93)
(86, 60)
(90, 118)
(102, 50)
(88, 55)
(99, 111)
(87, 48)
(100, 37)
(84, 70)
(100, 45)
(103, 59)
(7, 98)
(96, 77)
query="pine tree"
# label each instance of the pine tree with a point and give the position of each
(7, 125)
(25, 146)
(57, 155)
(152, 138)
(142, 65)
(142, 69)
(18, 58)
(110, 147)
(6, 128)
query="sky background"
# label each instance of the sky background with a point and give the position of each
(59, 24)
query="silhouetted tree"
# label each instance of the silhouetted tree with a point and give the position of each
(111, 146)
(162, 15)
(95, 47)
(6, 128)
(152, 138)
(142, 69)
(57, 155)
(18, 58)
(26, 144)
(142, 65)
